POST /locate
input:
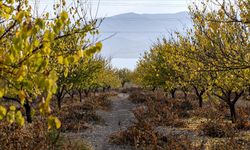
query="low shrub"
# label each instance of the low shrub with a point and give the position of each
(182, 105)
(160, 114)
(139, 135)
(73, 144)
(230, 144)
(131, 90)
(77, 121)
(217, 129)
(178, 142)
(143, 136)
(99, 102)
(76, 117)
(35, 136)
(208, 112)
(31, 136)
(138, 97)
(243, 125)
(243, 121)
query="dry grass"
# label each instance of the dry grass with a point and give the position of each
(243, 123)
(78, 116)
(158, 115)
(217, 129)
(228, 144)
(31, 136)
(155, 111)
(131, 90)
(99, 102)
(165, 112)
(143, 136)
(73, 144)
(138, 135)
(212, 122)
(76, 119)
(36, 136)
(138, 97)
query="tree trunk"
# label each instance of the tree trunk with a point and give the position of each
(59, 102)
(185, 93)
(80, 95)
(173, 93)
(200, 101)
(248, 91)
(60, 96)
(109, 88)
(28, 112)
(95, 91)
(231, 98)
(123, 84)
(86, 93)
(72, 94)
(233, 113)
(154, 89)
(199, 95)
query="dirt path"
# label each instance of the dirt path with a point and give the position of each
(119, 118)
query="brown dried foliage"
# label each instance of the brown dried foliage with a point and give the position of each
(99, 102)
(32, 136)
(231, 144)
(77, 116)
(142, 135)
(217, 129)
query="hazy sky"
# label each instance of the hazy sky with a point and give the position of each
(108, 8)
(114, 7)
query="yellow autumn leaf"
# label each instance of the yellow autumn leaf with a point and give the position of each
(22, 96)
(54, 122)
(1, 92)
(19, 118)
(3, 112)
(60, 59)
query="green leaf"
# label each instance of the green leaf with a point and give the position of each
(19, 16)
(40, 23)
(98, 46)
(10, 1)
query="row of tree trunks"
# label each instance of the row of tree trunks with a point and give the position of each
(229, 97)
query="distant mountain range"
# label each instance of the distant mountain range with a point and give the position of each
(133, 34)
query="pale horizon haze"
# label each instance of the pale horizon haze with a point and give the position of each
(108, 8)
